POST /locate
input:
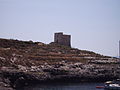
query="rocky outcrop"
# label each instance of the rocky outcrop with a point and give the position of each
(62, 72)
(27, 62)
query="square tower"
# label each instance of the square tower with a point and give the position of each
(62, 39)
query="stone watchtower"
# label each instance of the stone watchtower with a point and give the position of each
(62, 39)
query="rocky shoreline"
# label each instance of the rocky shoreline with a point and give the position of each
(26, 62)
(11, 77)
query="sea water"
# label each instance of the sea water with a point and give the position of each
(64, 86)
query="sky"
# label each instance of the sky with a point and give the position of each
(94, 25)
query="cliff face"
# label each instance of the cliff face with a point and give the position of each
(24, 62)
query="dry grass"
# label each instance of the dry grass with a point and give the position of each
(29, 53)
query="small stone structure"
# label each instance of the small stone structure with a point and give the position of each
(62, 39)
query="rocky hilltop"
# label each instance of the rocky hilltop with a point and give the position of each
(28, 62)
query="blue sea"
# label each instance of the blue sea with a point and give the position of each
(64, 86)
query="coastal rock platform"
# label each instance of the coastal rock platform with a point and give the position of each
(26, 62)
